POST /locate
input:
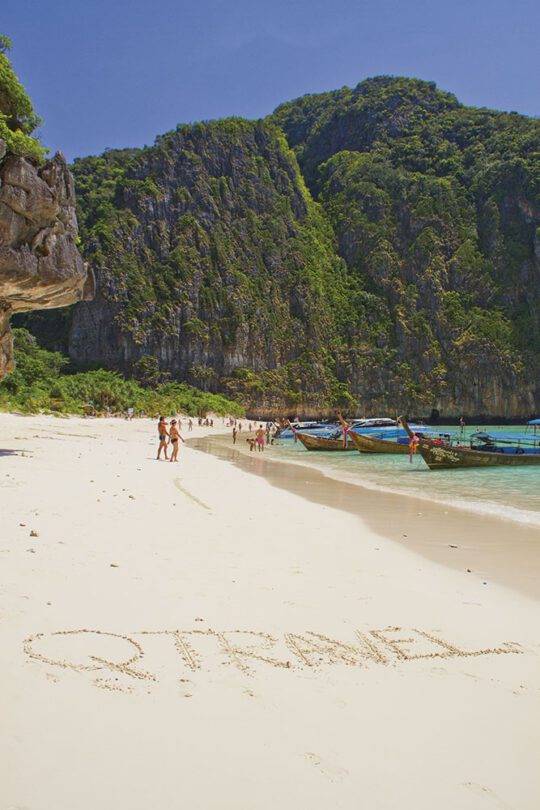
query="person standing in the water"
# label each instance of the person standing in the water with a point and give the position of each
(260, 434)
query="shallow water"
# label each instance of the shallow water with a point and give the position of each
(509, 492)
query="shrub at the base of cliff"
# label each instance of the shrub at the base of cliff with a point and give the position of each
(17, 117)
(37, 384)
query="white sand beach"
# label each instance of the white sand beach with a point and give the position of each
(195, 636)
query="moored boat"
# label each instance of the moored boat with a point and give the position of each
(340, 439)
(486, 450)
(335, 442)
(397, 444)
(365, 443)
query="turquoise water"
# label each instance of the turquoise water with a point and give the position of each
(508, 492)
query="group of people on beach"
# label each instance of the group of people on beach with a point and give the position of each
(170, 435)
(257, 442)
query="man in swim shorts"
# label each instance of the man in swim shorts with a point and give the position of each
(162, 434)
(260, 434)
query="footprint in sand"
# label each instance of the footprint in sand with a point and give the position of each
(329, 770)
(495, 802)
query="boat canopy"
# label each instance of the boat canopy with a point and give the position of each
(504, 437)
(534, 422)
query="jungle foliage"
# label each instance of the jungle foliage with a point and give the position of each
(17, 117)
(43, 381)
(380, 242)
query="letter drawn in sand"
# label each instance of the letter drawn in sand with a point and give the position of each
(238, 653)
(371, 651)
(186, 651)
(125, 667)
(314, 649)
(443, 649)
(397, 645)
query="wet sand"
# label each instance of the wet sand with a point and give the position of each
(493, 549)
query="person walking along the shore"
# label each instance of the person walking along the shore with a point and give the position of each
(163, 433)
(174, 433)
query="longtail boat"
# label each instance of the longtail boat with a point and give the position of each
(398, 444)
(486, 450)
(335, 442)
(340, 438)
(365, 443)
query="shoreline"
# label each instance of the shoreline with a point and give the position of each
(424, 525)
(512, 514)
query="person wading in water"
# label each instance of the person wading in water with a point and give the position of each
(260, 434)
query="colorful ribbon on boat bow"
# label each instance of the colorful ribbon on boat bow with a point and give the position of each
(413, 444)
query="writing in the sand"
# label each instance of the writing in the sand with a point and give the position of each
(149, 655)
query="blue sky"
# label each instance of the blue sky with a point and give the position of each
(113, 73)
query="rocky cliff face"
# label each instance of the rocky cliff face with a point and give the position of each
(380, 242)
(40, 265)
(436, 208)
(210, 256)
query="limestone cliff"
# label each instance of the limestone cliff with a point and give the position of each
(380, 243)
(40, 264)
(211, 257)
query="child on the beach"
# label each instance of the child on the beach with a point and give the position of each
(174, 434)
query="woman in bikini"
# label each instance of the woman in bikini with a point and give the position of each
(175, 436)
(162, 433)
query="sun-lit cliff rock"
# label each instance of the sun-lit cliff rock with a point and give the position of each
(40, 264)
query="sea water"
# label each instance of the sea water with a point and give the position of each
(508, 492)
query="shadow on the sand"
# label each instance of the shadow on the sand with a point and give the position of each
(10, 452)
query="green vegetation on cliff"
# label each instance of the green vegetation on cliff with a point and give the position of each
(213, 258)
(380, 244)
(40, 382)
(17, 117)
(435, 207)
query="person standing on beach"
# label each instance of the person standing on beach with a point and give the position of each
(163, 434)
(190, 424)
(260, 434)
(175, 438)
(234, 435)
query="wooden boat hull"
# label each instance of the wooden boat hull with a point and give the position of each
(371, 444)
(440, 457)
(320, 443)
